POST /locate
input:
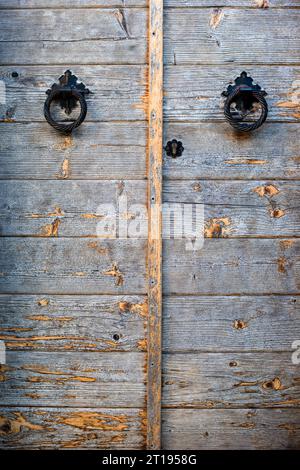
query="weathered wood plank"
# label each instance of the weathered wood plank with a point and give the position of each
(232, 208)
(143, 3)
(212, 37)
(232, 266)
(231, 429)
(227, 323)
(73, 379)
(34, 207)
(73, 323)
(214, 150)
(194, 92)
(111, 150)
(36, 36)
(72, 266)
(154, 259)
(74, 3)
(220, 380)
(117, 92)
(63, 428)
(240, 208)
(227, 3)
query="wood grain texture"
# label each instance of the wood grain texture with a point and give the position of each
(240, 208)
(73, 3)
(231, 429)
(154, 259)
(73, 379)
(231, 266)
(215, 151)
(226, 3)
(117, 93)
(232, 324)
(34, 207)
(63, 428)
(36, 36)
(73, 323)
(209, 38)
(106, 151)
(227, 380)
(193, 92)
(72, 266)
(232, 208)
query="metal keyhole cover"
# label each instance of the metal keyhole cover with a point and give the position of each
(174, 148)
(68, 93)
(245, 95)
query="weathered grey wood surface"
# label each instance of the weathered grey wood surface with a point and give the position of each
(76, 206)
(73, 379)
(137, 3)
(73, 323)
(193, 92)
(77, 3)
(65, 428)
(232, 208)
(112, 36)
(227, 380)
(215, 151)
(118, 92)
(72, 266)
(232, 266)
(239, 323)
(231, 429)
(95, 151)
(208, 36)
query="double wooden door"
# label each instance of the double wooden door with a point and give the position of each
(136, 342)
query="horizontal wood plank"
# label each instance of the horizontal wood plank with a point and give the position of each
(72, 266)
(212, 36)
(73, 323)
(240, 208)
(225, 3)
(73, 379)
(240, 323)
(194, 92)
(227, 380)
(142, 3)
(32, 207)
(94, 151)
(64, 428)
(36, 36)
(232, 208)
(231, 266)
(215, 151)
(117, 93)
(231, 429)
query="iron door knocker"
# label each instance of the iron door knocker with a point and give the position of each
(68, 93)
(245, 95)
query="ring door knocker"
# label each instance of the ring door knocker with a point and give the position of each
(67, 93)
(245, 95)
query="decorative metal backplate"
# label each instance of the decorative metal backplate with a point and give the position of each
(245, 99)
(67, 83)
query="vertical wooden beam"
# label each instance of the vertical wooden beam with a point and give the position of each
(155, 120)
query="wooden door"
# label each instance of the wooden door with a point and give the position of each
(81, 315)
(74, 307)
(230, 310)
